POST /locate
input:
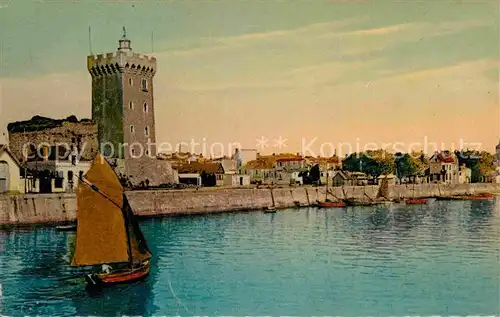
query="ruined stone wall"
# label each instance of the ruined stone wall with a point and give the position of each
(68, 132)
(156, 171)
(49, 208)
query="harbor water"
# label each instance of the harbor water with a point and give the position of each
(392, 260)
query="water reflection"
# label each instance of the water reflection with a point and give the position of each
(129, 299)
(480, 215)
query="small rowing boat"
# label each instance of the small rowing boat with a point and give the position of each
(416, 201)
(331, 204)
(270, 210)
(66, 228)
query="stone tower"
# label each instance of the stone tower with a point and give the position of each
(123, 108)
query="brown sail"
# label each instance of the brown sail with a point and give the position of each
(139, 250)
(101, 226)
(383, 190)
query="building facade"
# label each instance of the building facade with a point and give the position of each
(443, 168)
(10, 172)
(123, 109)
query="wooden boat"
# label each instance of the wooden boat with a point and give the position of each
(328, 203)
(331, 204)
(107, 231)
(484, 196)
(270, 210)
(66, 228)
(358, 202)
(416, 201)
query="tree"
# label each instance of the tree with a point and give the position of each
(406, 166)
(314, 174)
(351, 163)
(486, 163)
(480, 163)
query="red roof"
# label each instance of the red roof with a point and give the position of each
(446, 157)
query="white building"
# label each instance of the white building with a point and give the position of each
(10, 172)
(53, 174)
(236, 180)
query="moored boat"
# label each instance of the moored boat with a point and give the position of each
(416, 201)
(66, 228)
(331, 204)
(270, 210)
(358, 202)
(482, 196)
(107, 232)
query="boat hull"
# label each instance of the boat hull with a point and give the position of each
(416, 201)
(66, 228)
(119, 277)
(468, 197)
(325, 204)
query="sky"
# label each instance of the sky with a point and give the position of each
(279, 76)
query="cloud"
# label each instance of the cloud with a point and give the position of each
(210, 45)
(472, 67)
(380, 31)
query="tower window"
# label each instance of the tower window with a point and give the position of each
(144, 85)
(132, 129)
(145, 107)
(131, 105)
(146, 131)
(130, 82)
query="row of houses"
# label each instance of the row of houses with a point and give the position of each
(50, 173)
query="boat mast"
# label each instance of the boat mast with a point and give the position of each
(326, 191)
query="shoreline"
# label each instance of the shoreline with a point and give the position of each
(55, 209)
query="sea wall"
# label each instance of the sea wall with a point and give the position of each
(57, 208)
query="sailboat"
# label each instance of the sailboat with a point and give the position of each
(107, 232)
(328, 203)
(416, 201)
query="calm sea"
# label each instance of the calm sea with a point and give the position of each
(439, 259)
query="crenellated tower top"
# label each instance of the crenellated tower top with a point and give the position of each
(123, 60)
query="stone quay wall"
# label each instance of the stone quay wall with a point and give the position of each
(60, 208)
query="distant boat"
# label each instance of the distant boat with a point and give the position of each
(381, 198)
(331, 204)
(484, 196)
(416, 201)
(358, 202)
(107, 231)
(327, 203)
(270, 210)
(66, 228)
